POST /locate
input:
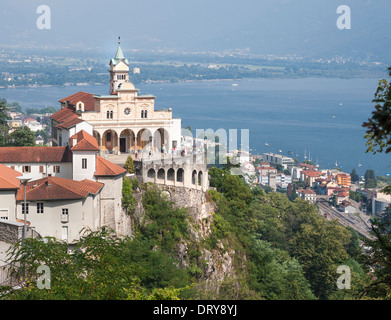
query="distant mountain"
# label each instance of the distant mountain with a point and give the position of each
(302, 27)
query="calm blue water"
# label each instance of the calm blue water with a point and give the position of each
(294, 115)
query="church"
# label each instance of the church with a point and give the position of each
(122, 121)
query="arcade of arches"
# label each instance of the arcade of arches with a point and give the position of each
(116, 141)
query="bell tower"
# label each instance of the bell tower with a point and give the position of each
(119, 69)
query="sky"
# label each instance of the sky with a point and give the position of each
(301, 27)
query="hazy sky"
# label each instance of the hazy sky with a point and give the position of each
(304, 27)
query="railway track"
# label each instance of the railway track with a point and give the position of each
(332, 213)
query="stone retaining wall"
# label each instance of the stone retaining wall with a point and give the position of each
(10, 231)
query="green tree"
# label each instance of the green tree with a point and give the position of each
(370, 179)
(128, 200)
(98, 268)
(376, 259)
(3, 112)
(4, 136)
(378, 134)
(275, 275)
(354, 176)
(320, 247)
(22, 137)
(164, 224)
(129, 165)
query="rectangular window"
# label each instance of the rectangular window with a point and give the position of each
(26, 169)
(13, 167)
(27, 208)
(65, 233)
(40, 169)
(39, 207)
(84, 163)
(56, 169)
(64, 215)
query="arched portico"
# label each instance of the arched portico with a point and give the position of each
(110, 141)
(144, 140)
(126, 141)
(161, 140)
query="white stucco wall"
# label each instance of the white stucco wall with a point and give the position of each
(8, 203)
(65, 169)
(78, 172)
(82, 213)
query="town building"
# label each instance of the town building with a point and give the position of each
(307, 195)
(343, 179)
(309, 177)
(71, 188)
(122, 121)
(347, 207)
(275, 158)
(340, 197)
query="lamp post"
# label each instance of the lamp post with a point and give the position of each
(24, 180)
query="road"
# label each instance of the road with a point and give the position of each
(347, 220)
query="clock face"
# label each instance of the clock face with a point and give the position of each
(127, 111)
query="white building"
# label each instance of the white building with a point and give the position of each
(71, 188)
(275, 158)
(308, 195)
(122, 121)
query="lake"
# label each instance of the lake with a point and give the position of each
(317, 117)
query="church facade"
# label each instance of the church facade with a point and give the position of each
(122, 121)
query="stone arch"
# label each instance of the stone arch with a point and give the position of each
(109, 143)
(151, 174)
(171, 174)
(97, 136)
(161, 140)
(126, 140)
(194, 177)
(180, 175)
(200, 178)
(161, 174)
(144, 139)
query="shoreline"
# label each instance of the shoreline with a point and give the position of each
(191, 81)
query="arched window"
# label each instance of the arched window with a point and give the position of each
(111, 114)
(108, 115)
(142, 114)
(145, 114)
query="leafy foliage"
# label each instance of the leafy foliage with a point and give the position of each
(129, 165)
(98, 268)
(378, 133)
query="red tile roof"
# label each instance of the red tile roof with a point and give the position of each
(311, 173)
(86, 98)
(55, 188)
(343, 194)
(8, 178)
(106, 168)
(34, 154)
(308, 191)
(85, 142)
(64, 115)
(266, 168)
(69, 124)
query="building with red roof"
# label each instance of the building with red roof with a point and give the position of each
(122, 122)
(309, 177)
(71, 187)
(307, 195)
